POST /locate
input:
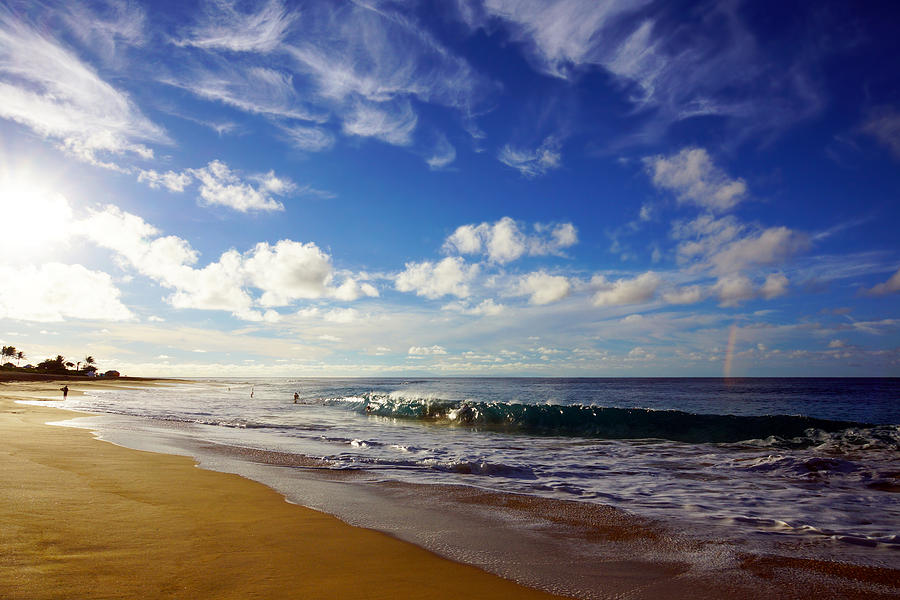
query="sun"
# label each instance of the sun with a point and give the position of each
(34, 217)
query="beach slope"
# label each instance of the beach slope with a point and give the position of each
(87, 519)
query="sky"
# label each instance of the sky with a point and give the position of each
(452, 188)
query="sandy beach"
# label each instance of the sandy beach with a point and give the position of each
(88, 519)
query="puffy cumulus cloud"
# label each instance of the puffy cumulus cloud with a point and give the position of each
(283, 273)
(171, 180)
(48, 89)
(734, 289)
(220, 186)
(450, 276)
(55, 291)
(426, 350)
(544, 288)
(225, 27)
(351, 289)
(625, 291)
(288, 271)
(767, 247)
(776, 284)
(888, 287)
(532, 163)
(504, 241)
(686, 295)
(729, 246)
(693, 177)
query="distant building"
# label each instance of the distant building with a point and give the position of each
(112, 374)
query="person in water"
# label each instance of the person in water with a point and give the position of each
(296, 397)
(65, 390)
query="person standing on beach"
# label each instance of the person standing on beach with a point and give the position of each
(65, 390)
(296, 397)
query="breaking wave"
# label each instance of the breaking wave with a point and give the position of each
(784, 431)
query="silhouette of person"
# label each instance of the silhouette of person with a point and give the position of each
(251, 392)
(65, 391)
(296, 397)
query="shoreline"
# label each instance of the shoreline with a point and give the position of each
(98, 520)
(640, 559)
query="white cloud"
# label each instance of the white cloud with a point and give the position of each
(426, 350)
(693, 177)
(172, 181)
(220, 186)
(888, 287)
(775, 285)
(443, 154)
(686, 295)
(392, 123)
(288, 271)
(884, 125)
(770, 246)
(283, 273)
(451, 276)
(258, 90)
(486, 307)
(544, 288)
(625, 291)
(311, 139)
(227, 28)
(341, 315)
(727, 246)
(54, 292)
(504, 240)
(734, 289)
(532, 163)
(50, 90)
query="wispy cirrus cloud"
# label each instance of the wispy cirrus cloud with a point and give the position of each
(49, 89)
(533, 163)
(224, 26)
(350, 68)
(713, 66)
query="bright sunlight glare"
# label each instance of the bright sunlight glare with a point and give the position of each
(34, 217)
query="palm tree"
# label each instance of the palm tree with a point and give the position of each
(89, 360)
(19, 356)
(69, 365)
(9, 351)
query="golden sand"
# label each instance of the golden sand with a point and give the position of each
(84, 519)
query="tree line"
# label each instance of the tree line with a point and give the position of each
(58, 364)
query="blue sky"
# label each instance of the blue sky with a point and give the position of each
(469, 187)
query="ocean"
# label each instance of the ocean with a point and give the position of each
(804, 467)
